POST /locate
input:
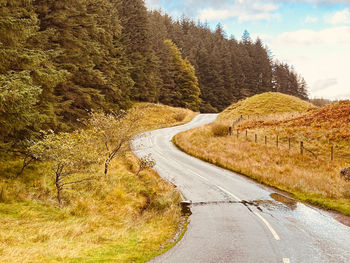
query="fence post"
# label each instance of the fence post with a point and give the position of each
(265, 140)
(256, 138)
(301, 148)
(289, 143)
(230, 130)
(246, 134)
(277, 141)
(332, 153)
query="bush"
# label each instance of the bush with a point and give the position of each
(180, 116)
(220, 130)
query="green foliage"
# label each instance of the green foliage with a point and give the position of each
(18, 97)
(136, 40)
(87, 38)
(27, 78)
(72, 155)
(185, 91)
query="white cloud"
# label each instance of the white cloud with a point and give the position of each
(152, 4)
(243, 10)
(310, 20)
(322, 57)
(338, 18)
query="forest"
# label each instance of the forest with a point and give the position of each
(60, 60)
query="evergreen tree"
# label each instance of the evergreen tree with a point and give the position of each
(87, 35)
(185, 91)
(136, 39)
(27, 75)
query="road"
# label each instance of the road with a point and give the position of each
(237, 220)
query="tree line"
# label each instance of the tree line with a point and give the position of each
(61, 59)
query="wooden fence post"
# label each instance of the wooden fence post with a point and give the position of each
(332, 153)
(277, 141)
(265, 140)
(301, 148)
(256, 138)
(289, 143)
(230, 130)
(246, 134)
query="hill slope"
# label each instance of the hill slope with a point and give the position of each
(125, 217)
(265, 104)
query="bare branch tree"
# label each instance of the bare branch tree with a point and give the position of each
(145, 163)
(116, 130)
(71, 154)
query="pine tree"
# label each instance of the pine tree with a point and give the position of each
(185, 92)
(87, 35)
(27, 75)
(136, 39)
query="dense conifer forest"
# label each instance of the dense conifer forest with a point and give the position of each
(61, 59)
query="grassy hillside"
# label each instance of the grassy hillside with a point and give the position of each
(313, 180)
(119, 218)
(265, 104)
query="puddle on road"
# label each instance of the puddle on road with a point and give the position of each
(279, 202)
(289, 202)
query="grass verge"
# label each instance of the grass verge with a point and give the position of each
(311, 180)
(119, 218)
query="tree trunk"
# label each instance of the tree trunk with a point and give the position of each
(57, 183)
(106, 166)
(59, 196)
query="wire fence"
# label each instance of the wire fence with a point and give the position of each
(328, 152)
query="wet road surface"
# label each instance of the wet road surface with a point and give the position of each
(237, 220)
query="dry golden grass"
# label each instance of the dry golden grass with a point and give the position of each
(309, 179)
(119, 218)
(269, 103)
(161, 116)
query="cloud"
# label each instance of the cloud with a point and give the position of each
(310, 20)
(243, 10)
(324, 84)
(153, 4)
(338, 18)
(334, 36)
(213, 10)
(322, 57)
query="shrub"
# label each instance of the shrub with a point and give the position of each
(180, 116)
(220, 130)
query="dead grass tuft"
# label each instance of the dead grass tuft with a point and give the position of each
(219, 129)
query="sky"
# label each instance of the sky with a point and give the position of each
(311, 35)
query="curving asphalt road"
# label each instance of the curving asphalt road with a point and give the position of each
(237, 220)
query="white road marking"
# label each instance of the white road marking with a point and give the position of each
(227, 192)
(199, 176)
(275, 235)
(286, 260)
(268, 226)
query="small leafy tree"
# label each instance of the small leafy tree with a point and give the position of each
(72, 155)
(115, 130)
